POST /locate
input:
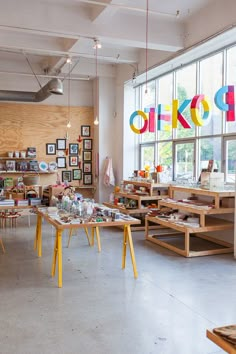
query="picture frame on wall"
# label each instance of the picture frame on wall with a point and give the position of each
(87, 155)
(85, 130)
(73, 149)
(66, 176)
(73, 160)
(61, 162)
(61, 144)
(87, 144)
(87, 167)
(77, 174)
(50, 149)
(87, 179)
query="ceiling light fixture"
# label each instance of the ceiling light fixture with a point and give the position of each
(68, 60)
(146, 88)
(68, 125)
(97, 44)
(96, 121)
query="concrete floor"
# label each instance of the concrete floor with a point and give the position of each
(102, 309)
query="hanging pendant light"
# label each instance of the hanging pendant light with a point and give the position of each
(146, 52)
(68, 125)
(96, 121)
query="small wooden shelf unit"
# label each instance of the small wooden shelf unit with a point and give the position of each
(155, 192)
(207, 219)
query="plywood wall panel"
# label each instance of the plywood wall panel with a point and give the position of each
(24, 125)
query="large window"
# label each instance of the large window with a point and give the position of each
(185, 151)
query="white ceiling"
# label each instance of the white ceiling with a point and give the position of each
(38, 36)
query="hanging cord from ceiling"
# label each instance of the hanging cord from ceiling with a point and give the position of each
(146, 89)
(32, 70)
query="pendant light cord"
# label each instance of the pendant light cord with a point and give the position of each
(69, 95)
(96, 53)
(146, 44)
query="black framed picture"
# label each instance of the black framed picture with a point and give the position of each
(87, 155)
(85, 130)
(61, 162)
(66, 176)
(73, 160)
(77, 174)
(61, 144)
(87, 144)
(73, 149)
(50, 149)
(87, 167)
(87, 178)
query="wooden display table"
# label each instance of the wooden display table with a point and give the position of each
(221, 342)
(208, 222)
(94, 226)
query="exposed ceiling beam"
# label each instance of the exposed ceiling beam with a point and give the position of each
(129, 8)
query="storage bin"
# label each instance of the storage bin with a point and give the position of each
(31, 180)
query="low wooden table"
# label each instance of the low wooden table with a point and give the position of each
(94, 226)
(221, 342)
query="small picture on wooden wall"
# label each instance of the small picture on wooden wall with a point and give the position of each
(61, 162)
(87, 178)
(73, 160)
(87, 155)
(85, 130)
(87, 167)
(66, 176)
(77, 174)
(61, 144)
(87, 144)
(73, 149)
(51, 149)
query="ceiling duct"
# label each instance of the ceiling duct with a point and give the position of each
(54, 86)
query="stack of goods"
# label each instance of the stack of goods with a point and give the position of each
(227, 332)
(22, 202)
(7, 202)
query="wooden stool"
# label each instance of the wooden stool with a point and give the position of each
(12, 219)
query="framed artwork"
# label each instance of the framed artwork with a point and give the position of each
(73, 149)
(77, 174)
(87, 155)
(61, 162)
(87, 167)
(87, 178)
(50, 149)
(87, 144)
(85, 130)
(61, 144)
(66, 176)
(73, 161)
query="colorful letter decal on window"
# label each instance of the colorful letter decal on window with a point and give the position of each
(195, 115)
(164, 117)
(229, 106)
(145, 118)
(177, 114)
(161, 117)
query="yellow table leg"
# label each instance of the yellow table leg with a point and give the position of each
(70, 235)
(54, 258)
(124, 247)
(92, 237)
(131, 247)
(87, 234)
(3, 249)
(59, 254)
(38, 236)
(98, 238)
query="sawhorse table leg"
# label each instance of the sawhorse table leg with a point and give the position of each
(96, 228)
(38, 236)
(128, 237)
(57, 257)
